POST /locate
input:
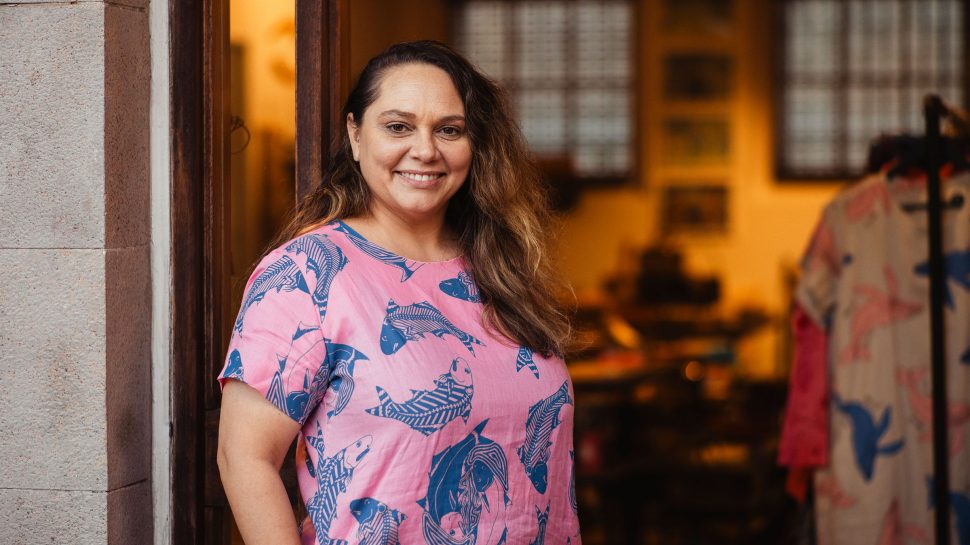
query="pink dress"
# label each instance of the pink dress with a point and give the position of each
(419, 425)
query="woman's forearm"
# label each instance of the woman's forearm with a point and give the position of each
(259, 502)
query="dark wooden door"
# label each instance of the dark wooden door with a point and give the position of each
(201, 307)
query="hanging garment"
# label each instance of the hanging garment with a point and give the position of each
(865, 291)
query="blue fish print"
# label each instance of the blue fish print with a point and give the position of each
(572, 484)
(524, 359)
(543, 518)
(412, 322)
(235, 367)
(379, 523)
(408, 267)
(461, 287)
(298, 403)
(957, 269)
(343, 359)
(282, 275)
(333, 475)
(323, 258)
(960, 505)
(458, 481)
(543, 419)
(867, 434)
(430, 410)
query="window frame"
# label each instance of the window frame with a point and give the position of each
(565, 179)
(784, 173)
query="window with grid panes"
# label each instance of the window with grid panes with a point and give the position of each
(568, 67)
(853, 70)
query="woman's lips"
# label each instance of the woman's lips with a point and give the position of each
(420, 179)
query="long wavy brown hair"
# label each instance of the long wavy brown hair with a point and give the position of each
(500, 215)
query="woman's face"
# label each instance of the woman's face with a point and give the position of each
(412, 143)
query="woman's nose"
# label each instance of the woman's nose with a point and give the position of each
(424, 147)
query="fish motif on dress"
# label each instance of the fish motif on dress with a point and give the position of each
(408, 267)
(960, 505)
(333, 475)
(281, 275)
(877, 310)
(379, 524)
(343, 359)
(543, 519)
(298, 403)
(894, 532)
(957, 270)
(572, 483)
(461, 287)
(921, 405)
(461, 475)
(543, 419)
(413, 322)
(525, 359)
(867, 435)
(430, 410)
(234, 369)
(323, 258)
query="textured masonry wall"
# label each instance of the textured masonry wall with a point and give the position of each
(75, 299)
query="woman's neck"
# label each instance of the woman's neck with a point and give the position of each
(428, 240)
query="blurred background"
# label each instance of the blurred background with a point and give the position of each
(690, 146)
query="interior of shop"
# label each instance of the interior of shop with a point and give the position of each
(691, 147)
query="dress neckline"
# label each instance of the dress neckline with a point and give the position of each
(354, 233)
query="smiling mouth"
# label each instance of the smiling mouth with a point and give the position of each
(420, 177)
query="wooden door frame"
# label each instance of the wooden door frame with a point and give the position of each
(199, 57)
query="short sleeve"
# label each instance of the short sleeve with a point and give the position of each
(820, 269)
(277, 346)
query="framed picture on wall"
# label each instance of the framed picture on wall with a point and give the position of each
(697, 76)
(698, 208)
(690, 141)
(710, 17)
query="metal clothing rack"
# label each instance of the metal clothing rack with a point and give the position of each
(933, 111)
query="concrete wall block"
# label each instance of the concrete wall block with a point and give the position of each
(52, 126)
(128, 306)
(29, 517)
(127, 91)
(52, 368)
(130, 514)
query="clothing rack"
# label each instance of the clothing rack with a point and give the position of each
(933, 110)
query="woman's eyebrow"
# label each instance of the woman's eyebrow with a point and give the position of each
(411, 116)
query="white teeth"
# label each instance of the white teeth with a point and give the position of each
(419, 177)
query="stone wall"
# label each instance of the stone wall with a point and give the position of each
(75, 286)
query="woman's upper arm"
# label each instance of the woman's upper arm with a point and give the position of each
(252, 427)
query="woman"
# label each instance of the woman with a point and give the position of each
(405, 330)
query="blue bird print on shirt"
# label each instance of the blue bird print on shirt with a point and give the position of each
(408, 267)
(333, 475)
(462, 287)
(867, 434)
(379, 524)
(543, 519)
(957, 270)
(524, 359)
(282, 275)
(325, 259)
(412, 322)
(960, 505)
(543, 419)
(459, 479)
(343, 359)
(235, 367)
(430, 410)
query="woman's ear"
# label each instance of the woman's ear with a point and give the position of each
(353, 132)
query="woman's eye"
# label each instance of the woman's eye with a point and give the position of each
(451, 132)
(397, 127)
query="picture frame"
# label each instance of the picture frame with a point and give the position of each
(695, 141)
(698, 76)
(696, 208)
